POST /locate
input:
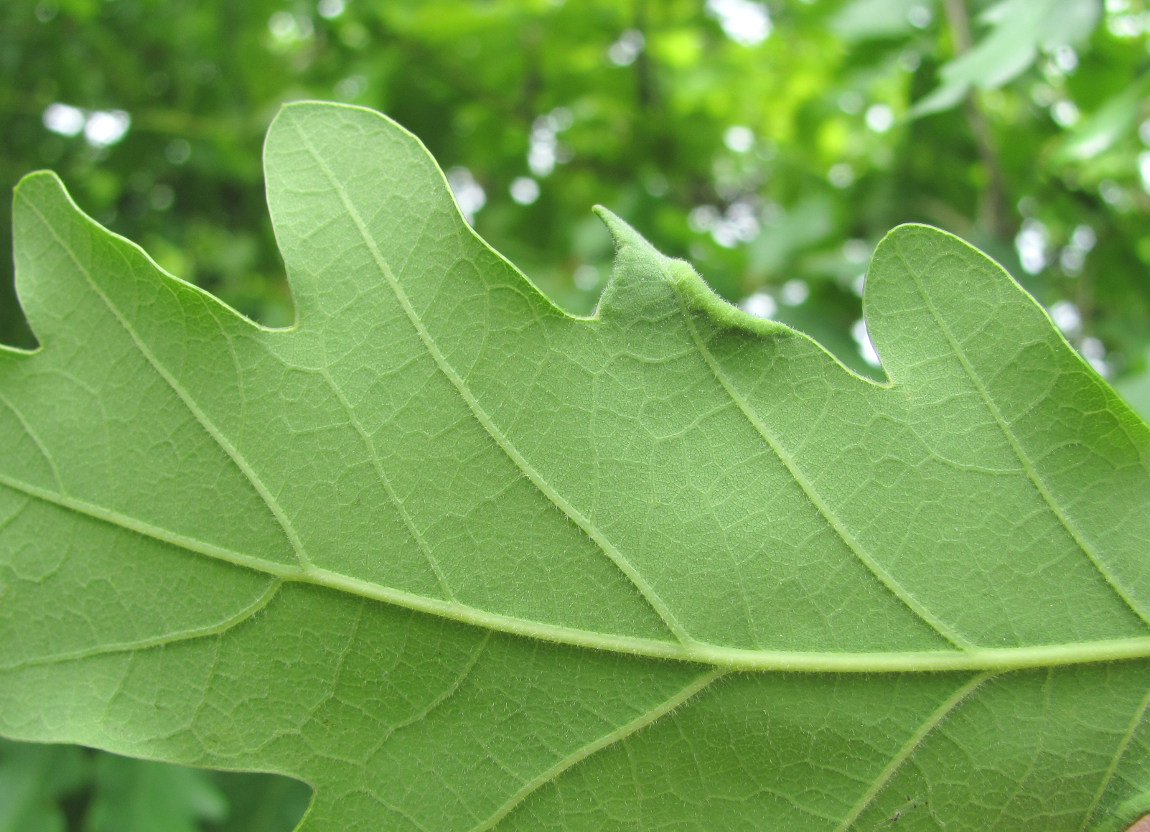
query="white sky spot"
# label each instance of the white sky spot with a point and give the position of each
(739, 138)
(879, 117)
(586, 277)
(1065, 58)
(1073, 256)
(856, 251)
(63, 119)
(1084, 237)
(524, 190)
(1094, 351)
(859, 284)
(351, 87)
(1066, 317)
(541, 155)
(1144, 131)
(1072, 260)
(1052, 73)
(919, 16)
(909, 60)
(795, 292)
(329, 9)
(1111, 192)
(724, 235)
(287, 29)
(283, 26)
(866, 347)
(743, 21)
(760, 304)
(703, 218)
(1031, 243)
(1124, 25)
(851, 102)
(626, 49)
(740, 224)
(469, 194)
(1143, 171)
(543, 150)
(562, 118)
(1043, 95)
(106, 127)
(841, 175)
(1065, 113)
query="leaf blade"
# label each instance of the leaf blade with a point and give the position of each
(528, 632)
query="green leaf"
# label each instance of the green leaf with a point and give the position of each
(1114, 119)
(261, 803)
(459, 560)
(860, 20)
(32, 781)
(1020, 29)
(134, 796)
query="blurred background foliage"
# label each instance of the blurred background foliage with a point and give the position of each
(772, 144)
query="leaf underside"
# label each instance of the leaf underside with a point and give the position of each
(461, 561)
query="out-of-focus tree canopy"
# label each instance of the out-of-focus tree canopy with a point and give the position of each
(771, 144)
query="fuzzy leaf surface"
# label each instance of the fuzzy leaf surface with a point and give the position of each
(461, 561)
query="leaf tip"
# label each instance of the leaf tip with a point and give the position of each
(643, 272)
(640, 272)
(36, 183)
(622, 233)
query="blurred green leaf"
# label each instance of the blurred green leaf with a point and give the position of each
(866, 19)
(33, 779)
(138, 796)
(260, 802)
(1019, 29)
(1114, 120)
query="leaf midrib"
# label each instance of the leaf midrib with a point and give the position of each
(688, 649)
(732, 658)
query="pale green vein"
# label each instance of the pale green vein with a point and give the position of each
(1019, 782)
(580, 754)
(829, 515)
(1119, 753)
(35, 440)
(545, 488)
(437, 701)
(215, 433)
(11, 518)
(391, 807)
(218, 628)
(340, 662)
(408, 523)
(1032, 473)
(909, 747)
(998, 659)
